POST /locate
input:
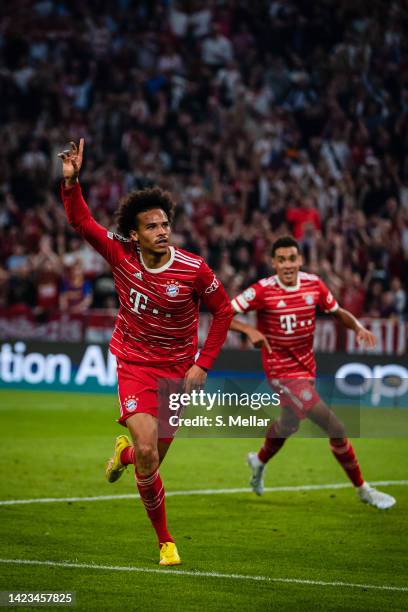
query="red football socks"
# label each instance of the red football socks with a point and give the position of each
(153, 497)
(127, 456)
(344, 453)
(271, 444)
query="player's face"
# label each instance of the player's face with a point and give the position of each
(153, 231)
(287, 262)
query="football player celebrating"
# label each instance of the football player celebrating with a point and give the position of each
(286, 309)
(160, 288)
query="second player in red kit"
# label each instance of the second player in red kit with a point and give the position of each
(286, 310)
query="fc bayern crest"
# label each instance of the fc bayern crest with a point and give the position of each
(172, 289)
(131, 403)
(309, 299)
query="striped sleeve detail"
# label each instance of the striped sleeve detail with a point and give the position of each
(239, 304)
(236, 306)
(242, 301)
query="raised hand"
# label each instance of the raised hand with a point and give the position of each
(72, 162)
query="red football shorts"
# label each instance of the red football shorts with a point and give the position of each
(138, 386)
(298, 394)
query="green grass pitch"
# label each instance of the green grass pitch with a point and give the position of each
(55, 445)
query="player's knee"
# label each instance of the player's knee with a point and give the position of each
(337, 430)
(147, 457)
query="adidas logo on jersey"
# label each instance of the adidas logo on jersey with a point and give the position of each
(138, 275)
(281, 304)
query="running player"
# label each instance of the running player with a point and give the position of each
(155, 337)
(286, 309)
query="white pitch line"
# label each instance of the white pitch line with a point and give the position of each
(321, 487)
(198, 574)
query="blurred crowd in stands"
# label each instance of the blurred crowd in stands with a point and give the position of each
(262, 118)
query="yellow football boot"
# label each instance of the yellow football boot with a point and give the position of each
(169, 554)
(114, 467)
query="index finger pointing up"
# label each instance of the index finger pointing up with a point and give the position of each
(81, 147)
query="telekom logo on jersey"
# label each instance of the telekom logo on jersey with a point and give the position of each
(138, 300)
(288, 323)
(139, 303)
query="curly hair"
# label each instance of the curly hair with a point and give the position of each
(139, 201)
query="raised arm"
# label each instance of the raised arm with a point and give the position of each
(78, 214)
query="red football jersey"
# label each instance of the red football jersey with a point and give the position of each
(286, 316)
(159, 307)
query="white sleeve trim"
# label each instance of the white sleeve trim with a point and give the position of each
(236, 306)
(335, 307)
(242, 301)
